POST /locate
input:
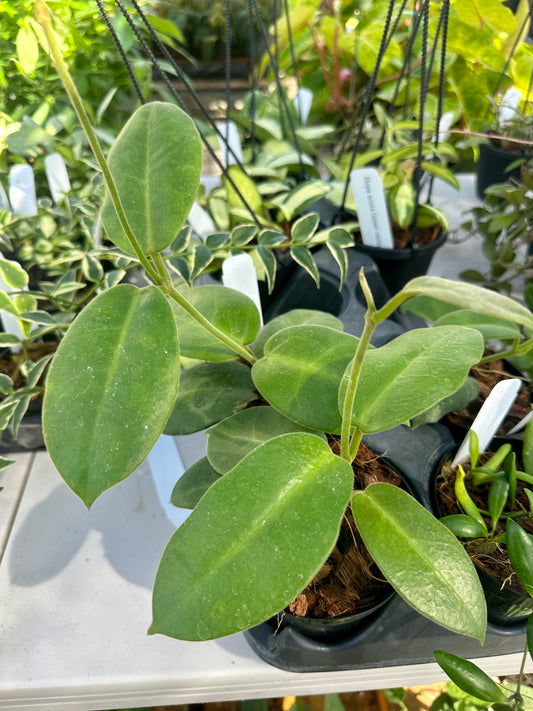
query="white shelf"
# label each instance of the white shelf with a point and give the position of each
(75, 604)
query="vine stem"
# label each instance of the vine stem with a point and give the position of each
(159, 275)
(349, 444)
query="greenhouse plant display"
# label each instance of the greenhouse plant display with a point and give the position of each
(113, 383)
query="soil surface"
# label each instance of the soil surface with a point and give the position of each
(487, 376)
(490, 556)
(349, 581)
(402, 236)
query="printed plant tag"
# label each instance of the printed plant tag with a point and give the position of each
(57, 176)
(200, 221)
(22, 190)
(490, 417)
(509, 106)
(238, 272)
(371, 208)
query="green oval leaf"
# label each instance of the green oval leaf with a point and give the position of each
(411, 373)
(301, 372)
(469, 677)
(193, 484)
(155, 162)
(13, 274)
(296, 317)
(209, 392)
(231, 312)
(488, 326)
(520, 550)
(110, 388)
(464, 526)
(236, 436)
(255, 540)
(470, 296)
(421, 558)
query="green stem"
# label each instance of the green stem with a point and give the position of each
(42, 15)
(160, 274)
(519, 349)
(517, 694)
(349, 448)
(166, 283)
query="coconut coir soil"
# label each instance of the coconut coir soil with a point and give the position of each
(349, 581)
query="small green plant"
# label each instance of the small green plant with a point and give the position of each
(112, 386)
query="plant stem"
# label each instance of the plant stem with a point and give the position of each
(42, 15)
(520, 349)
(349, 448)
(517, 695)
(160, 276)
(164, 278)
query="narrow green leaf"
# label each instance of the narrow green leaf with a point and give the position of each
(469, 677)
(498, 494)
(303, 257)
(304, 228)
(217, 240)
(473, 447)
(270, 265)
(5, 463)
(488, 326)
(111, 387)
(469, 296)
(340, 256)
(520, 550)
(13, 274)
(421, 558)
(243, 234)
(530, 635)
(231, 312)
(271, 238)
(255, 540)
(301, 372)
(236, 436)
(155, 162)
(527, 448)
(201, 258)
(193, 484)
(208, 393)
(465, 500)
(391, 390)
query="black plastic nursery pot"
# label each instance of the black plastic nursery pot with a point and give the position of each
(394, 634)
(492, 167)
(398, 266)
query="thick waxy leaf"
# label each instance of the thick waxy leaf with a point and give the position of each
(231, 312)
(469, 677)
(296, 317)
(13, 274)
(427, 308)
(488, 326)
(472, 297)
(301, 372)
(255, 540)
(235, 437)
(304, 258)
(411, 373)
(208, 393)
(527, 448)
(421, 558)
(520, 550)
(530, 636)
(155, 162)
(193, 484)
(464, 526)
(456, 402)
(111, 387)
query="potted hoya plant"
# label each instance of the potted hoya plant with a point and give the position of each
(263, 530)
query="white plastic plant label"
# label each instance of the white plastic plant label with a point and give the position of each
(490, 417)
(57, 176)
(371, 208)
(229, 142)
(4, 202)
(200, 221)
(446, 122)
(509, 106)
(238, 272)
(22, 190)
(302, 104)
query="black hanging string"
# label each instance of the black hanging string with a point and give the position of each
(253, 60)
(443, 27)
(291, 44)
(177, 97)
(282, 96)
(227, 69)
(122, 53)
(366, 101)
(424, 83)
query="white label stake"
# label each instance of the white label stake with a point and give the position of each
(371, 207)
(229, 142)
(490, 417)
(238, 272)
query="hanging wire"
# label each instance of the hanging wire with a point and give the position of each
(443, 27)
(291, 44)
(122, 53)
(253, 59)
(227, 68)
(156, 64)
(424, 83)
(274, 63)
(364, 106)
